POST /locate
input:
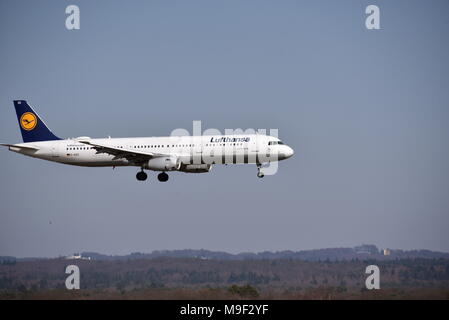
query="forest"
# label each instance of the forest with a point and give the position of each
(196, 278)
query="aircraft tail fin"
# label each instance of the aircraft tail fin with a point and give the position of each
(32, 127)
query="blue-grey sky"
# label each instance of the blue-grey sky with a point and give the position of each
(365, 110)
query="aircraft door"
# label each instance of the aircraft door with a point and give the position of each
(197, 151)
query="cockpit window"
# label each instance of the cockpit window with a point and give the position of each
(273, 143)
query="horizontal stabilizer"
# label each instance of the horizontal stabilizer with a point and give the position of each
(18, 146)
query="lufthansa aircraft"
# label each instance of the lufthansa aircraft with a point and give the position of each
(193, 154)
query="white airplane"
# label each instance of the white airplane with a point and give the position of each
(193, 154)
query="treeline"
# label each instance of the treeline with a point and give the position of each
(169, 273)
(362, 252)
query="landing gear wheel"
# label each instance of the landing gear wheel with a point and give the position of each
(162, 177)
(141, 176)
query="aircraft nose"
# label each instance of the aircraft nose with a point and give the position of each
(286, 152)
(289, 152)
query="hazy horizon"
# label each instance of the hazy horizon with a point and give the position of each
(199, 249)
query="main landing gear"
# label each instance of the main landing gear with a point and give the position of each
(162, 177)
(141, 176)
(260, 173)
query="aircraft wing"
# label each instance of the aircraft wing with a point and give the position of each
(132, 155)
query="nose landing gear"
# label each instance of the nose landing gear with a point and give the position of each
(162, 177)
(260, 173)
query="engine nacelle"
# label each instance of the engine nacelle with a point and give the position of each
(196, 168)
(170, 163)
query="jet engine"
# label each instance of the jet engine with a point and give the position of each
(169, 163)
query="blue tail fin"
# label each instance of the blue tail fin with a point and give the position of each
(31, 125)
